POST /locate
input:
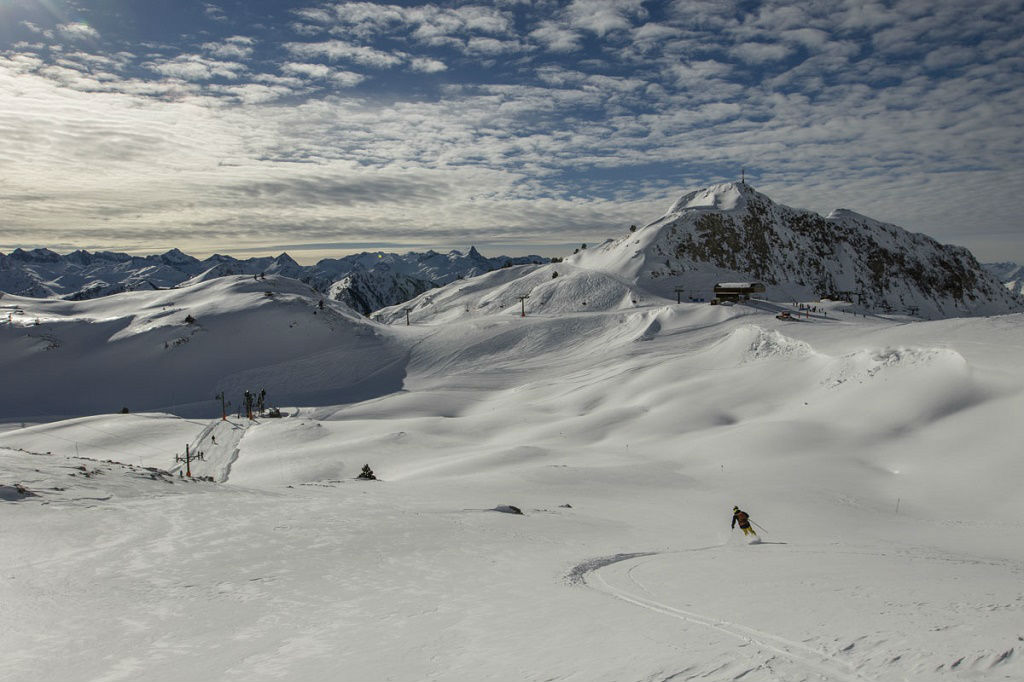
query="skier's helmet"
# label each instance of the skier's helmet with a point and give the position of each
(735, 508)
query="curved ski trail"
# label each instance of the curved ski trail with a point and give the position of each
(814, 660)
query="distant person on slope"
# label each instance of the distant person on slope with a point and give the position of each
(743, 518)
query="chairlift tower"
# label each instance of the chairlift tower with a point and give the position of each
(522, 302)
(187, 459)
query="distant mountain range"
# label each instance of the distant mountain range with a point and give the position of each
(365, 281)
(1010, 274)
(723, 233)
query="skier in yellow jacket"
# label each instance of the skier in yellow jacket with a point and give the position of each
(743, 518)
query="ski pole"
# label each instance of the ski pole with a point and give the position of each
(759, 526)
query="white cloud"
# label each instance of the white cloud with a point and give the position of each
(193, 67)
(556, 38)
(306, 70)
(949, 56)
(698, 74)
(653, 33)
(253, 93)
(808, 37)
(347, 79)
(604, 16)
(78, 31)
(427, 65)
(34, 28)
(236, 47)
(704, 14)
(339, 49)
(484, 19)
(214, 12)
(316, 15)
(493, 46)
(429, 24)
(756, 53)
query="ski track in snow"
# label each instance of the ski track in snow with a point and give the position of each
(621, 566)
(221, 456)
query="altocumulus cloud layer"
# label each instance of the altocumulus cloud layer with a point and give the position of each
(534, 123)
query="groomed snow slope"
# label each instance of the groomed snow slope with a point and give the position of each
(880, 458)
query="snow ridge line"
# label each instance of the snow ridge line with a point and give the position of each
(818, 661)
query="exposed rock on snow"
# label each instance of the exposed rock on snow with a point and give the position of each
(867, 364)
(760, 344)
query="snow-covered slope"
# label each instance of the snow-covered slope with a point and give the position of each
(879, 459)
(555, 288)
(141, 351)
(730, 232)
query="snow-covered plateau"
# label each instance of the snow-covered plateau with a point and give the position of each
(877, 455)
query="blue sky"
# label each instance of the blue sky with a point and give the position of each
(248, 127)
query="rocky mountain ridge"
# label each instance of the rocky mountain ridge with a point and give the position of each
(731, 232)
(1010, 274)
(366, 281)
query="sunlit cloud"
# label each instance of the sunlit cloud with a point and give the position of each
(604, 16)
(235, 47)
(78, 31)
(193, 67)
(340, 50)
(427, 65)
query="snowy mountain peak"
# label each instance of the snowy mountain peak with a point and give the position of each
(35, 256)
(177, 257)
(843, 213)
(1010, 274)
(732, 233)
(728, 196)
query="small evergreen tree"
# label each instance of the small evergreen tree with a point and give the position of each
(367, 473)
